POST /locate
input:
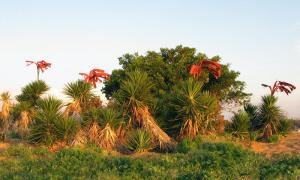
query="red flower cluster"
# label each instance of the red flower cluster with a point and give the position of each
(211, 66)
(281, 86)
(41, 65)
(94, 76)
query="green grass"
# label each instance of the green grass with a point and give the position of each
(203, 161)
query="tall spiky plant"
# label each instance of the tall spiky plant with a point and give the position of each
(194, 107)
(5, 113)
(49, 124)
(110, 120)
(32, 92)
(23, 113)
(80, 93)
(135, 96)
(240, 124)
(269, 115)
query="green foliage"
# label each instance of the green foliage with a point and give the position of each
(135, 91)
(49, 124)
(139, 141)
(207, 161)
(193, 106)
(187, 145)
(80, 93)
(285, 126)
(32, 92)
(240, 124)
(273, 139)
(252, 112)
(270, 115)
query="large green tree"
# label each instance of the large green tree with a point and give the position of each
(169, 66)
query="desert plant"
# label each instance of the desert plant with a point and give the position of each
(80, 93)
(22, 112)
(4, 115)
(270, 115)
(252, 112)
(49, 124)
(139, 141)
(110, 120)
(135, 97)
(32, 92)
(285, 126)
(240, 124)
(195, 108)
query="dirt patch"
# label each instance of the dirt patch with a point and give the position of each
(4, 146)
(288, 145)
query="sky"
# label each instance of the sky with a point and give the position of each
(260, 39)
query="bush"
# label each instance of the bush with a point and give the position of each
(187, 145)
(139, 141)
(240, 125)
(273, 139)
(285, 126)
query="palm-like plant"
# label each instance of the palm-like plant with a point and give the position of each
(32, 92)
(135, 97)
(252, 112)
(110, 120)
(194, 107)
(240, 124)
(101, 126)
(23, 112)
(139, 141)
(5, 113)
(269, 115)
(80, 93)
(49, 124)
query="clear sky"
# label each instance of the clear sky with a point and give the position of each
(259, 38)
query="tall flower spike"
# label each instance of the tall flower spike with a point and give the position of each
(95, 75)
(40, 65)
(281, 86)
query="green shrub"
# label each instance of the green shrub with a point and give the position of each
(273, 139)
(187, 145)
(285, 126)
(240, 125)
(139, 141)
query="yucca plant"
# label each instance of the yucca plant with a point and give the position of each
(80, 93)
(32, 92)
(269, 115)
(22, 112)
(49, 124)
(110, 120)
(139, 141)
(252, 112)
(135, 97)
(240, 124)
(195, 108)
(101, 127)
(4, 115)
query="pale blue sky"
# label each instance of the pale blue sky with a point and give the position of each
(259, 38)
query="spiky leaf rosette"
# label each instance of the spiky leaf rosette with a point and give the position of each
(22, 113)
(80, 93)
(240, 124)
(139, 141)
(32, 92)
(49, 124)
(194, 108)
(269, 115)
(135, 97)
(6, 105)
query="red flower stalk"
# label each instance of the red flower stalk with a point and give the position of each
(280, 86)
(40, 66)
(211, 66)
(95, 76)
